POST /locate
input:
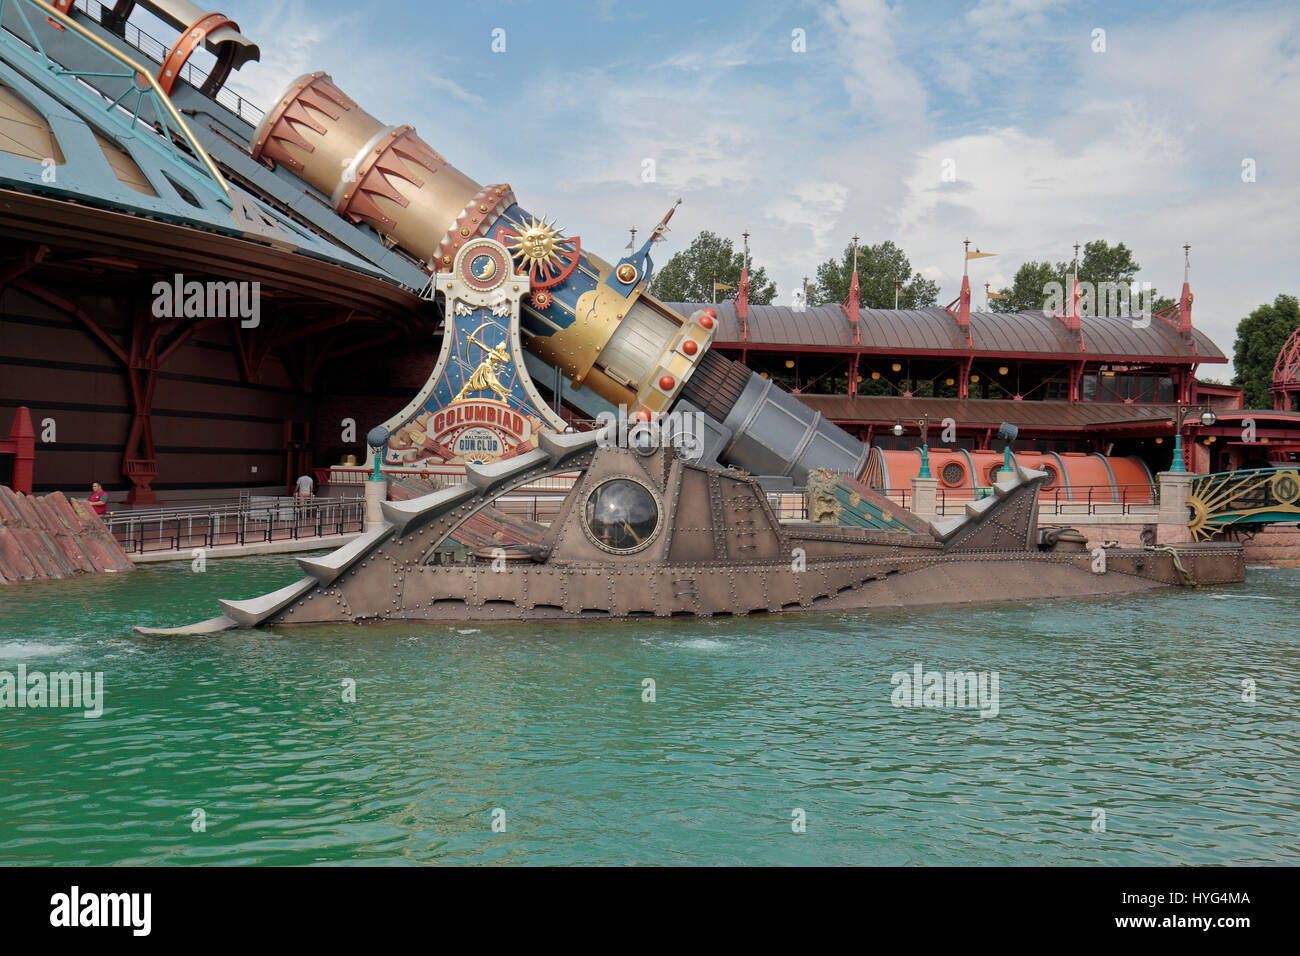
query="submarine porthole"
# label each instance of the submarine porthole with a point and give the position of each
(622, 515)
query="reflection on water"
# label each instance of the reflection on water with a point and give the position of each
(1134, 706)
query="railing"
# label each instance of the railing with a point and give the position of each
(1077, 500)
(140, 85)
(439, 479)
(157, 51)
(252, 521)
(787, 506)
(1096, 499)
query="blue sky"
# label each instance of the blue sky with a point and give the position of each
(1051, 141)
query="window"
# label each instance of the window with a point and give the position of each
(622, 515)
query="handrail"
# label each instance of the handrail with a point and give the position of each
(59, 17)
(187, 73)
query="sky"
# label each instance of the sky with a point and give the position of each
(1015, 123)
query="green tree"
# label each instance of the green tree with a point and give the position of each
(1101, 262)
(1026, 291)
(878, 267)
(689, 275)
(1260, 337)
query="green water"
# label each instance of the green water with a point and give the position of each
(1131, 706)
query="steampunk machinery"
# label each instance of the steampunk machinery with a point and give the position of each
(578, 313)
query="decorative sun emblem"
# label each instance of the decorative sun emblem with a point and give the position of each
(536, 243)
(542, 250)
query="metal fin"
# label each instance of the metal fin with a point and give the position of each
(254, 611)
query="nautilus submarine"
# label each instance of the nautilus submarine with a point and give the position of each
(646, 530)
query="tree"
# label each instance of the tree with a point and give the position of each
(1260, 337)
(1026, 292)
(689, 275)
(878, 267)
(1101, 263)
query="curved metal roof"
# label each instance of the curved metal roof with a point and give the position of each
(934, 330)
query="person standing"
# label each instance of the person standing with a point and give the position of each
(98, 499)
(303, 489)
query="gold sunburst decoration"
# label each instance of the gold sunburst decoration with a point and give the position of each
(535, 244)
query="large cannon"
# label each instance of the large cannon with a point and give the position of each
(591, 320)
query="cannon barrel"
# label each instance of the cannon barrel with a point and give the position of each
(592, 320)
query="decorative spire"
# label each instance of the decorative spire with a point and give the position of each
(1071, 316)
(852, 302)
(1185, 300)
(661, 230)
(742, 297)
(632, 244)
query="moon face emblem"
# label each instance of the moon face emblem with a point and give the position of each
(483, 267)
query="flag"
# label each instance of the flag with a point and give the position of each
(979, 255)
(718, 285)
(996, 295)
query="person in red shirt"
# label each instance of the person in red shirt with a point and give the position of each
(98, 499)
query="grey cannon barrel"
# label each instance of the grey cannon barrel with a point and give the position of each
(766, 430)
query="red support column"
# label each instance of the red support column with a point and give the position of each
(139, 466)
(22, 445)
(1076, 381)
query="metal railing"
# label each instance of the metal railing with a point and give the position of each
(251, 521)
(140, 87)
(1097, 499)
(1078, 499)
(157, 51)
(349, 476)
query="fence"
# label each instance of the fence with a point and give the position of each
(348, 476)
(251, 521)
(157, 51)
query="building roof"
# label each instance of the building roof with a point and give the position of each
(897, 331)
(987, 412)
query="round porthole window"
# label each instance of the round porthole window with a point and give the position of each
(622, 515)
(952, 474)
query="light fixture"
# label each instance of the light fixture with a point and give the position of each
(875, 375)
(947, 381)
(1208, 418)
(898, 430)
(859, 379)
(896, 367)
(974, 379)
(789, 363)
(1160, 441)
(1002, 370)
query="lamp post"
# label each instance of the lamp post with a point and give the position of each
(377, 438)
(923, 423)
(1208, 418)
